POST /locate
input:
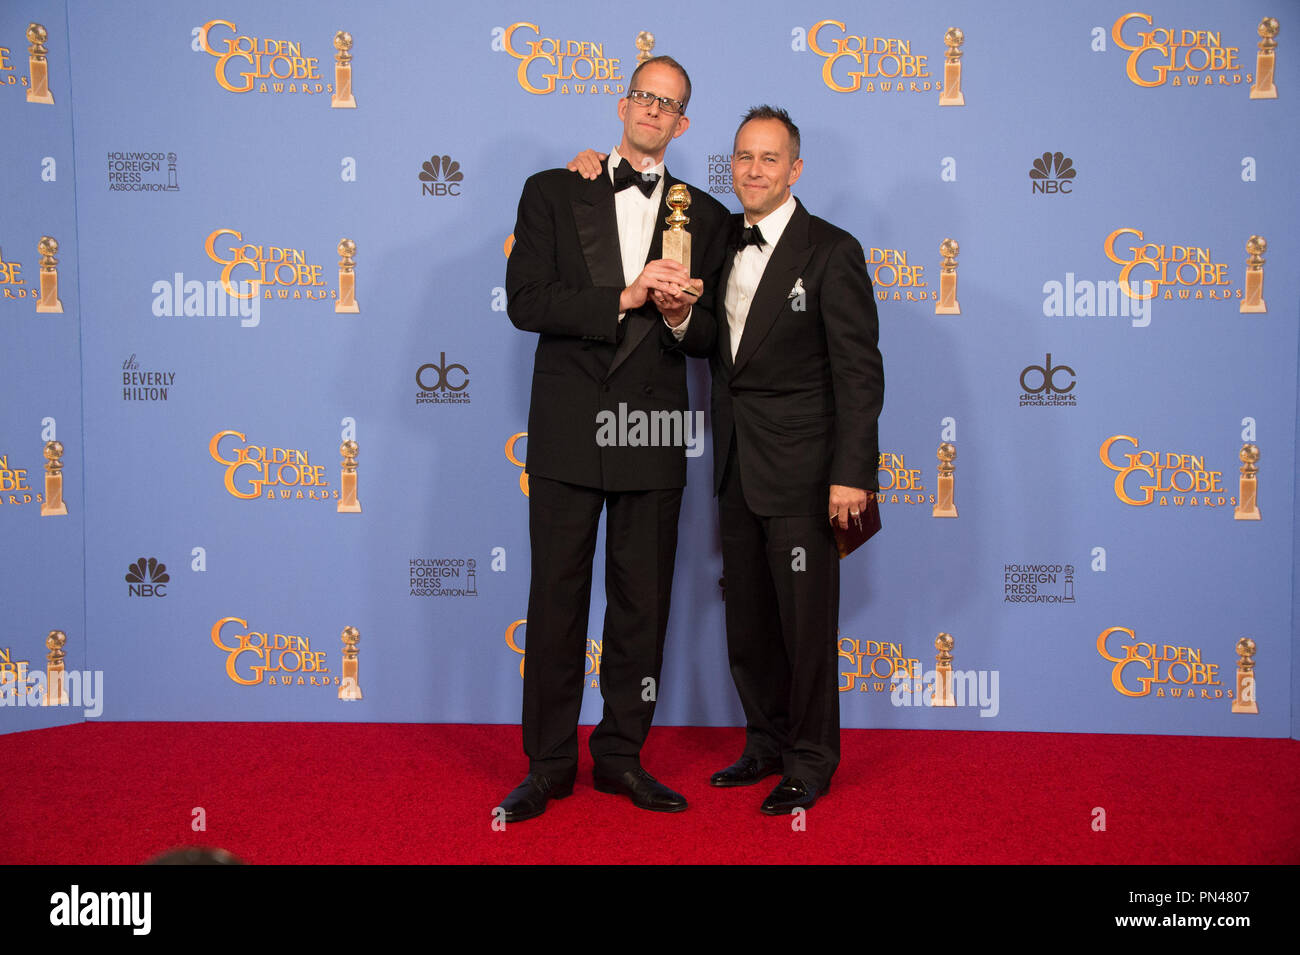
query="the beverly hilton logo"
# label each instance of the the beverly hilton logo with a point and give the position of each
(1184, 56)
(248, 64)
(274, 272)
(1158, 669)
(264, 658)
(1170, 271)
(1164, 478)
(878, 64)
(552, 64)
(271, 473)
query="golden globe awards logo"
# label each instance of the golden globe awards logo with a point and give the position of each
(591, 671)
(247, 64)
(1163, 478)
(1165, 670)
(869, 64)
(900, 484)
(552, 64)
(13, 284)
(281, 272)
(255, 472)
(896, 278)
(263, 658)
(15, 485)
(1176, 56)
(875, 666)
(1174, 272)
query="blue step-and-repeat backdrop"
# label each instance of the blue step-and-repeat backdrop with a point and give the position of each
(261, 388)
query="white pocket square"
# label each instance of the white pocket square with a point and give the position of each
(797, 290)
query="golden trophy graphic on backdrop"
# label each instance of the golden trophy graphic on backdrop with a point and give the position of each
(348, 503)
(942, 695)
(53, 505)
(645, 43)
(943, 501)
(947, 304)
(342, 98)
(1265, 60)
(1253, 301)
(350, 688)
(1245, 699)
(38, 67)
(347, 301)
(56, 692)
(48, 248)
(1247, 508)
(677, 241)
(952, 94)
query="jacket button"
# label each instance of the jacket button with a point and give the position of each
(648, 390)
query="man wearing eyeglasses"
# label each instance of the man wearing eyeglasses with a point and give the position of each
(615, 322)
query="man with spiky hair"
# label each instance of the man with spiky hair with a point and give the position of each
(615, 322)
(798, 385)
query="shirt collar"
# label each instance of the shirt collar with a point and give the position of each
(773, 224)
(615, 159)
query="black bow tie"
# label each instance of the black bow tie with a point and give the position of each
(751, 236)
(625, 175)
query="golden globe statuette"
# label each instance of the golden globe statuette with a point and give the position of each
(952, 94)
(645, 43)
(943, 503)
(942, 695)
(53, 505)
(342, 98)
(56, 692)
(1264, 61)
(350, 688)
(48, 248)
(1254, 299)
(39, 69)
(348, 503)
(1245, 696)
(347, 300)
(677, 241)
(1247, 508)
(947, 304)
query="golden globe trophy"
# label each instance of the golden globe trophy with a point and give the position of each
(645, 43)
(53, 505)
(48, 248)
(947, 304)
(943, 503)
(342, 98)
(350, 688)
(347, 301)
(1254, 298)
(1247, 508)
(56, 692)
(1245, 698)
(1265, 60)
(677, 241)
(942, 695)
(348, 503)
(39, 68)
(952, 94)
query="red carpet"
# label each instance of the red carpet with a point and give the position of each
(390, 793)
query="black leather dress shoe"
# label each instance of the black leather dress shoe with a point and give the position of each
(644, 790)
(791, 793)
(746, 771)
(530, 797)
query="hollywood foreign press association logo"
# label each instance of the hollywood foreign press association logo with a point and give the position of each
(440, 176)
(147, 577)
(1048, 385)
(1052, 174)
(1042, 582)
(141, 170)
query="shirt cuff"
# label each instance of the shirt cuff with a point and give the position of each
(680, 331)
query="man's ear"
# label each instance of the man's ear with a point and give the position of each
(683, 124)
(796, 171)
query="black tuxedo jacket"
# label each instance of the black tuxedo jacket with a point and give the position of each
(563, 281)
(807, 384)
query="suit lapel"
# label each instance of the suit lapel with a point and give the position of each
(720, 308)
(783, 268)
(636, 326)
(597, 223)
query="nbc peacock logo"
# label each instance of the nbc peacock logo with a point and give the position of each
(440, 176)
(1052, 174)
(147, 577)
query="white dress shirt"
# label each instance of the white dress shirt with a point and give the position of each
(748, 266)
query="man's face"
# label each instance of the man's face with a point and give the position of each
(762, 169)
(647, 130)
